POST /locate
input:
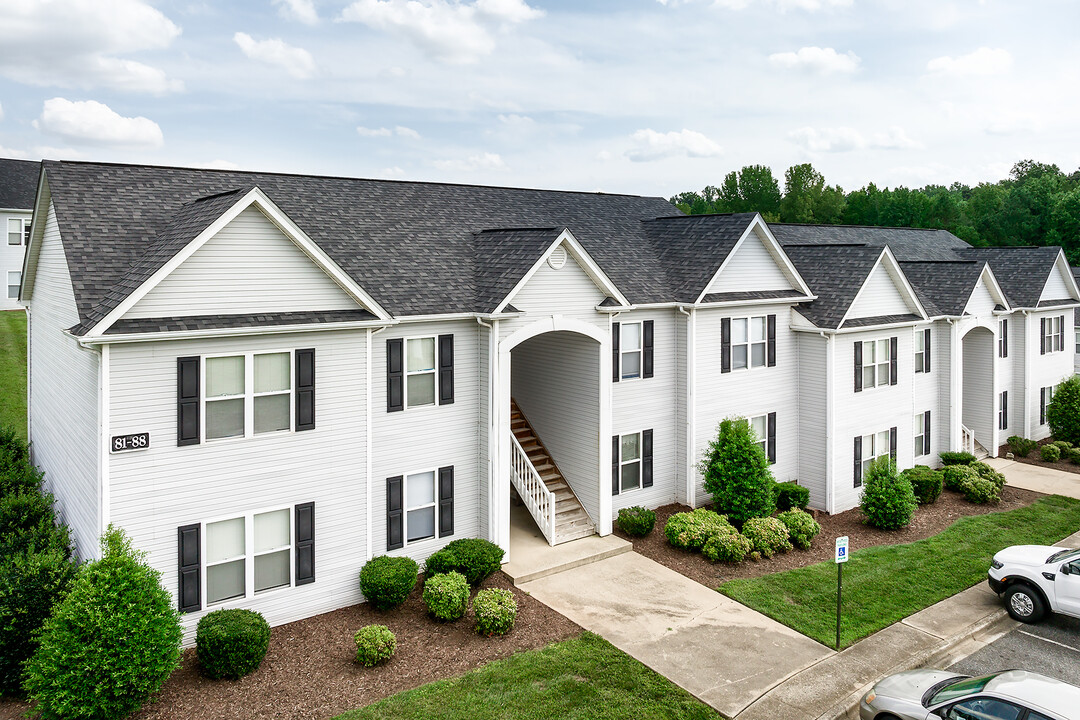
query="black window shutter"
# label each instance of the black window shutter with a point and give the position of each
(305, 389)
(892, 361)
(647, 349)
(1042, 336)
(646, 458)
(189, 593)
(395, 375)
(395, 519)
(725, 345)
(770, 335)
(187, 401)
(770, 442)
(926, 432)
(926, 350)
(305, 543)
(614, 464)
(892, 443)
(615, 370)
(446, 501)
(858, 366)
(858, 461)
(446, 369)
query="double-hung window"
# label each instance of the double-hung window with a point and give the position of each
(876, 356)
(420, 372)
(1077, 339)
(748, 342)
(922, 435)
(14, 279)
(248, 394)
(630, 461)
(420, 506)
(248, 555)
(1059, 333)
(1003, 410)
(920, 350)
(18, 231)
(630, 347)
(1053, 334)
(874, 446)
(1046, 394)
(1003, 337)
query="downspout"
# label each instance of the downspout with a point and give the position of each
(490, 430)
(829, 481)
(690, 397)
(955, 371)
(105, 442)
(1027, 373)
(29, 381)
(368, 432)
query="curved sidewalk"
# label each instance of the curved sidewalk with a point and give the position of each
(1038, 478)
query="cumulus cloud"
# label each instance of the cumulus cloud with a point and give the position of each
(78, 43)
(399, 130)
(220, 164)
(12, 153)
(293, 60)
(483, 161)
(984, 61)
(299, 10)
(845, 139)
(93, 123)
(453, 32)
(815, 59)
(781, 5)
(652, 145)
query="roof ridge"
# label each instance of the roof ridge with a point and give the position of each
(514, 229)
(864, 227)
(696, 217)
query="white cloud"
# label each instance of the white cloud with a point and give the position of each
(400, 131)
(845, 139)
(220, 164)
(94, 123)
(652, 145)
(815, 59)
(781, 5)
(48, 152)
(984, 61)
(11, 153)
(895, 138)
(451, 31)
(483, 161)
(1, 112)
(392, 172)
(293, 60)
(300, 10)
(76, 43)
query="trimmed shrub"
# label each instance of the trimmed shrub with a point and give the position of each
(1049, 453)
(801, 527)
(387, 581)
(986, 472)
(1021, 447)
(954, 476)
(474, 558)
(637, 521)
(1062, 445)
(791, 495)
(729, 547)
(957, 458)
(691, 530)
(981, 491)
(27, 524)
(1074, 456)
(767, 535)
(888, 501)
(1063, 411)
(374, 643)
(737, 473)
(231, 643)
(496, 610)
(925, 483)
(110, 644)
(447, 596)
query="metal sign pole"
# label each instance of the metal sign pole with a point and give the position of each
(839, 592)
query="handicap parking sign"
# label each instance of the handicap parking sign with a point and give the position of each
(842, 549)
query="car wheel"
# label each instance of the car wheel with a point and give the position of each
(1024, 604)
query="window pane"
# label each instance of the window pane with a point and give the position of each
(224, 539)
(758, 426)
(13, 280)
(421, 389)
(631, 364)
(868, 352)
(738, 330)
(882, 350)
(868, 446)
(631, 476)
(920, 338)
(224, 581)
(631, 447)
(868, 376)
(984, 708)
(738, 357)
(919, 424)
(271, 412)
(421, 489)
(757, 355)
(224, 418)
(881, 447)
(15, 231)
(421, 354)
(757, 329)
(421, 523)
(272, 530)
(224, 376)
(271, 570)
(272, 372)
(630, 336)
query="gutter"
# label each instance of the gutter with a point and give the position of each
(691, 324)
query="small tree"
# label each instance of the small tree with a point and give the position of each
(111, 642)
(888, 502)
(1063, 411)
(737, 473)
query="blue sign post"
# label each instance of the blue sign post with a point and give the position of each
(841, 558)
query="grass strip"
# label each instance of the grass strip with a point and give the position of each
(887, 583)
(585, 677)
(13, 371)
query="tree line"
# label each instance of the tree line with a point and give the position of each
(1037, 204)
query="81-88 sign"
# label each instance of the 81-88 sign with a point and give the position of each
(124, 443)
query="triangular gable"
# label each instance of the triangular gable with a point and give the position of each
(1060, 284)
(986, 295)
(756, 262)
(885, 292)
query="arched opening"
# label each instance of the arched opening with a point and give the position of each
(978, 432)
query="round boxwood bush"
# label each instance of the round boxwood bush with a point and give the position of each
(387, 581)
(888, 502)
(1063, 411)
(791, 495)
(637, 521)
(472, 557)
(1062, 445)
(447, 596)
(986, 472)
(954, 476)
(767, 535)
(1050, 453)
(496, 610)
(729, 547)
(374, 643)
(691, 530)
(981, 491)
(1020, 446)
(925, 483)
(1074, 456)
(231, 643)
(801, 527)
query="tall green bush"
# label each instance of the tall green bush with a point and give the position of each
(387, 581)
(111, 642)
(888, 502)
(737, 473)
(1063, 411)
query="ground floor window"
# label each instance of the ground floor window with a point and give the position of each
(630, 462)
(875, 446)
(248, 554)
(922, 434)
(1046, 394)
(420, 506)
(1003, 410)
(14, 279)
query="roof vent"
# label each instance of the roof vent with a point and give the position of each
(557, 258)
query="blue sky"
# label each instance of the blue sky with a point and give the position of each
(640, 96)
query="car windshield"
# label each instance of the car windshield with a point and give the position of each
(955, 690)
(1064, 555)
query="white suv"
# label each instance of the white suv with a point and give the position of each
(1036, 579)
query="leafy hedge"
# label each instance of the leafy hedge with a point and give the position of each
(231, 643)
(801, 527)
(374, 643)
(1063, 411)
(1020, 446)
(387, 581)
(691, 530)
(637, 521)
(926, 483)
(474, 558)
(447, 596)
(957, 458)
(1050, 453)
(768, 536)
(888, 501)
(737, 473)
(729, 547)
(791, 495)
(496, 610)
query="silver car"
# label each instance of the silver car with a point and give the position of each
(939, 694)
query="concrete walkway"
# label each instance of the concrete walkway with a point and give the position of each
(1038, 478)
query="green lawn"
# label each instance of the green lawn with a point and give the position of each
(887, 583)
(581, 678)
(13, 370)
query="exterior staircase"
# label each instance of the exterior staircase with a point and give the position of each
(571, 520)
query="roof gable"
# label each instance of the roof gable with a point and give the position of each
(1060, 284)
(756, 263)
(986, 296)
(881, 294)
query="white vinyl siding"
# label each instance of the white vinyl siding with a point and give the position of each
(979, 396)
(1045, 371)
(1055, 287)
(750, 267)
(879, 296)
(567, 291)
(981, 301)
(813, 431)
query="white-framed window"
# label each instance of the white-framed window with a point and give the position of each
(14, 279)
(1077, 340)
(876, 356)
(247, 394)
(421, 378)
(1053, 334)
(1046, 394)
(18, 231)
(1003, 410)
(630, 346)
(421, 518)
(748, 342)
(247, 555)
(629, 462)
(874, 446)
(1059, 333)
(922, 440)
(1003, 337)
(920, 350)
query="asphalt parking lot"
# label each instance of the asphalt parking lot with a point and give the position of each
(1051, 648)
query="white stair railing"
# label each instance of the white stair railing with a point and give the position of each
(534, 493)
(967, 439)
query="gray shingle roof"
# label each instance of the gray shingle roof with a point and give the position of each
(1020, 271)
(834, 273)
(18, 183)
(502, 259)
(943, 287)
(218, 322)
(751, 295)
(905, 243)
(691, 248)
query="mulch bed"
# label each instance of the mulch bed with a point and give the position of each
(310, 670)
(929, 520)
(1033, 459)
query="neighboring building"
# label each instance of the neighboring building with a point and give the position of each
(268, 379)
(18, 185)
(1076, 326)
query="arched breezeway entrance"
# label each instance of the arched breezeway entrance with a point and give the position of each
(978, 419)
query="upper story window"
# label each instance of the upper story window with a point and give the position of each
(1003, 337)
(922, 350)
(748, 342)
(18, 231)
(630, 350)
(420, 371)
(247, 394)
(876, 362)
(1053, 334)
